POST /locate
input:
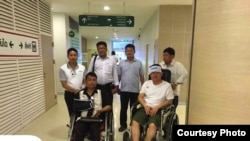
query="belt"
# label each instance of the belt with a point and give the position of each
(105, 85)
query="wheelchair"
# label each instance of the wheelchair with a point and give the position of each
(169, 118)
(107, 134)
(164, 133)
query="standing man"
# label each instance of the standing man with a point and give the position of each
(131, 75)
(71, 76)
(105, 68)
(178, 72)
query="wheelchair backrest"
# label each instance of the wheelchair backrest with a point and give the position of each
(166, 75)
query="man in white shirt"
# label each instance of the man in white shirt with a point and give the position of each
(155, 94)
(71, 76)
(105, 68)
(178, 72)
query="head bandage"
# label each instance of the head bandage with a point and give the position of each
(154, 69)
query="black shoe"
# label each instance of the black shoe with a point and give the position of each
(122, 128)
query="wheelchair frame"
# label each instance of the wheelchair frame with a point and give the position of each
(164, 132)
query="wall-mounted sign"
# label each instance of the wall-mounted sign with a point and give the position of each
(103, 20)
(13, 44)
(71, 34)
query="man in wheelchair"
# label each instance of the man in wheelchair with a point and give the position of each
(155, 94)
(99, 103)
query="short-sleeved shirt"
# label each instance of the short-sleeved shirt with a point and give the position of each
(178, 74)
(75, 77)
(105, 69)
(130, 72)
(156, 94)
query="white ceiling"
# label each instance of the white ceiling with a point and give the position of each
(142, 10)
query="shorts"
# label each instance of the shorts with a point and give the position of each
(141, 117)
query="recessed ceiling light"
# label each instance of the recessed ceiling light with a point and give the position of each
(106, 7)
(96, 37)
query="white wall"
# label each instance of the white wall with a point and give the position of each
(148, 36)
(60, 45)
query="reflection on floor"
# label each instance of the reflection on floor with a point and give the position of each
(51, 126)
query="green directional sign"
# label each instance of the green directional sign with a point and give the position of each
(102, 20)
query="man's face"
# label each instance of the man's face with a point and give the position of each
(167, 58)
(102, 50)
(72, 56)
(91, 82)
(130, 52)
(156, 76)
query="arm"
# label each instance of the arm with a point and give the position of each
(116, 80)
(182, 73)
(63, 79)
(143, 103)
(106, 103)
(142, 74)
(91, 64)
(69, 88)
(142, 79)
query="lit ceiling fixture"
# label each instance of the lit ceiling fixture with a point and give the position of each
(96, 37)
(106, 7)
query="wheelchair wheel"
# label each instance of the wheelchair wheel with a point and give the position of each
(172, 120)
(111, 130)
(126, 136)
(71, 127)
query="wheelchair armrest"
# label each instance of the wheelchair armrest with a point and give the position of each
(168, 108)
(90, 119)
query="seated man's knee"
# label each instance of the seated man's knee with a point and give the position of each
(152, 126)
(135, 123)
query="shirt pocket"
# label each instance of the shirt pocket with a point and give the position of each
(108, 68)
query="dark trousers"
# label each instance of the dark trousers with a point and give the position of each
(126, 97)
(107, 89)
(82, 128)
(175, 102)
(69, 98)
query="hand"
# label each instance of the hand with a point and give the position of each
(153, 111)
(76, 91)
(115, 90)
(173, 86)
(98, 112)
(147, 109)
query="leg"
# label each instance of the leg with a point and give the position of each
(124, 98)
(133, 97)
(95, 131)
(175, 102)
(135, 128)
(153, 123)
(80, 130)
(151, 131)
(69, 97)
(138, 119)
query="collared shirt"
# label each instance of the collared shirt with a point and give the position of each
(178, 74)
(105, 69)
(130, 72)
(74, 77)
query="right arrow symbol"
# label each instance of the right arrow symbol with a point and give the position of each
(129, 21)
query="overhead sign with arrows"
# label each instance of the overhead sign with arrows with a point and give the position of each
(102, 20)
(13, 44)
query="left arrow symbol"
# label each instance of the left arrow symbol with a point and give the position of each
(21, 45)
(11, 44)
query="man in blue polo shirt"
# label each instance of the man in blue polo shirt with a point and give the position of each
(131, 76)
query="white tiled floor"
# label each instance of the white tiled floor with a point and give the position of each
(51, 126)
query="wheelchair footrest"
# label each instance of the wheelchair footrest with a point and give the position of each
(90, 119)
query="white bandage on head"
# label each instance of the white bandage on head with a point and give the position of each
(154, 69)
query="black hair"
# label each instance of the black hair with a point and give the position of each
(72, 49)
(90, 74)
(169, 50)
(112, 52)
(130, 46)
(101, 43)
